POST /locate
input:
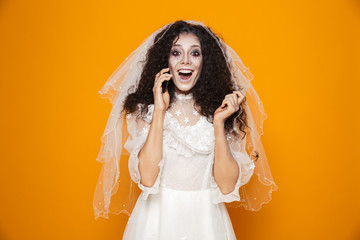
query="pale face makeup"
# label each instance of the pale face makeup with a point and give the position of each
(185, 62)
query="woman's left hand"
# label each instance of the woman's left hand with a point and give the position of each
(230, 105)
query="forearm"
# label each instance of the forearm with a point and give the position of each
(226, 170)
(151, 153)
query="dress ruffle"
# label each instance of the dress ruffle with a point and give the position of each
(185, 140)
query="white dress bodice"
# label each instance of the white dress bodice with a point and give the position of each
(188, 151)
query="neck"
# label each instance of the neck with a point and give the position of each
(178, 91)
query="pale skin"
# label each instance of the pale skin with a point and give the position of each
(226, 171)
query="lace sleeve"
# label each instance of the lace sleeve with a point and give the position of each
(246, 170)
(138, 129)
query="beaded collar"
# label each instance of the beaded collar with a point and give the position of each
(183, 97)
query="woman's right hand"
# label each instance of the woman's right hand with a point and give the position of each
(161, 100)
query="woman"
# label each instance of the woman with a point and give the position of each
(187, 136)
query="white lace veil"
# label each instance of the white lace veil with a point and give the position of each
(116, 193)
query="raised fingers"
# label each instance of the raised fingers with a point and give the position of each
(235, 99)
(239, 97)
(231, 99)
(164, 70)
(160, 77)
(230, 105)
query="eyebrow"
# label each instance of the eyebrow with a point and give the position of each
(190, 46)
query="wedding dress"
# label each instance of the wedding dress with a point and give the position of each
(185, 202)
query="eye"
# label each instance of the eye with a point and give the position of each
(196, 53)
(175, 53)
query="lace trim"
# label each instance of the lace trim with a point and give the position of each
(182, 96)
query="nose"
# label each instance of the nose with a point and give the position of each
(186, 59)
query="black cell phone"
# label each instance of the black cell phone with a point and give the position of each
(165, 84)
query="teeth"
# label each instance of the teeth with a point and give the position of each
(185, 71)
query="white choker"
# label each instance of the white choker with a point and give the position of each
(182, 96)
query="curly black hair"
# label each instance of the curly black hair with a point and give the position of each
(210, 89)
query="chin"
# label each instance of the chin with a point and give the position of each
(184, 89)
(185, 86)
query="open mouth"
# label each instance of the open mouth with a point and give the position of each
(185, 74)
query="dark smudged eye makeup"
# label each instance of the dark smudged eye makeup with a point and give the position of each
(176, 53)
(197, 53)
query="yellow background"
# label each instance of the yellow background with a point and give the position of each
(56, 55)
